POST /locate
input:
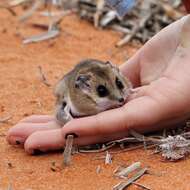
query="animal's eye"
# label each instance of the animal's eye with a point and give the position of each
(102, 91)
(63, 105)
(119, 84)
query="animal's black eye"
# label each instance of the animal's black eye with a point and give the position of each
(102, 91)
(63, 105)
(119, 84)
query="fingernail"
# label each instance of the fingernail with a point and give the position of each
(74, 135)
(37, 152)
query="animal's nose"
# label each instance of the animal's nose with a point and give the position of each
(121, 100)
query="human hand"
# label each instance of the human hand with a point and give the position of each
(160, 73)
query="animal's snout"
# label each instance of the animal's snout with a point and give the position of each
(121, 100)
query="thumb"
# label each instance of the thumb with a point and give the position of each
(185, 33)
(131, 69)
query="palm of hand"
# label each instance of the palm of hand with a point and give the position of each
(160, 72)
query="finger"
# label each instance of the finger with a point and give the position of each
(43, 141)
(99, 124)
(38, 119)
(146, 60)
(139, 114)
(20, 132)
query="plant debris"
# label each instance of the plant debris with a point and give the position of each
(174, 148)
(138, 22)
(41, 37)
(10, 165)
(98, 169)
(125, 184)
(54, 167)
(124, 172)
(92, 150)
(108, 159)
(43, 77)
(142, 186)
(6, 119)
(10, 187)
(68, 150)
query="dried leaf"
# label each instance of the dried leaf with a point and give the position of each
(123, 185)
(126, 171)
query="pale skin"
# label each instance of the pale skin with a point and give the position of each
(160, 73)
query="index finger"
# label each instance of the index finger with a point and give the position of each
(139, 113)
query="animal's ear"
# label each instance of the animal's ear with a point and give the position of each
(113, 66)
(83, 82)
(109, 63)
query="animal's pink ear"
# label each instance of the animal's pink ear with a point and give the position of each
(185, 33)
(187, 5)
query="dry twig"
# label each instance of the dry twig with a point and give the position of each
(68, 150)
(41, 37)
(142, 186)
(43, 77)
(108, 158)
(6, 119)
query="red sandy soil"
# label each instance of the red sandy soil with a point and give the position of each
(22, 93)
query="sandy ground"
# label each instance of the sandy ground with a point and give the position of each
(22, 93)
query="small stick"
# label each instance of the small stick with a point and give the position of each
(119, 28)
(128, 149)
(68, 150)
(98, 169)
(6, 119)
(124, 140)
(142, 186)
(9, 187)
(108, 159)
(123, 185)
(30, 12)
(43, 77)
(41, 37)
(99, 6)
(99, 150)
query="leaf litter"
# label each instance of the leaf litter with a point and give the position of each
(138, 22)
